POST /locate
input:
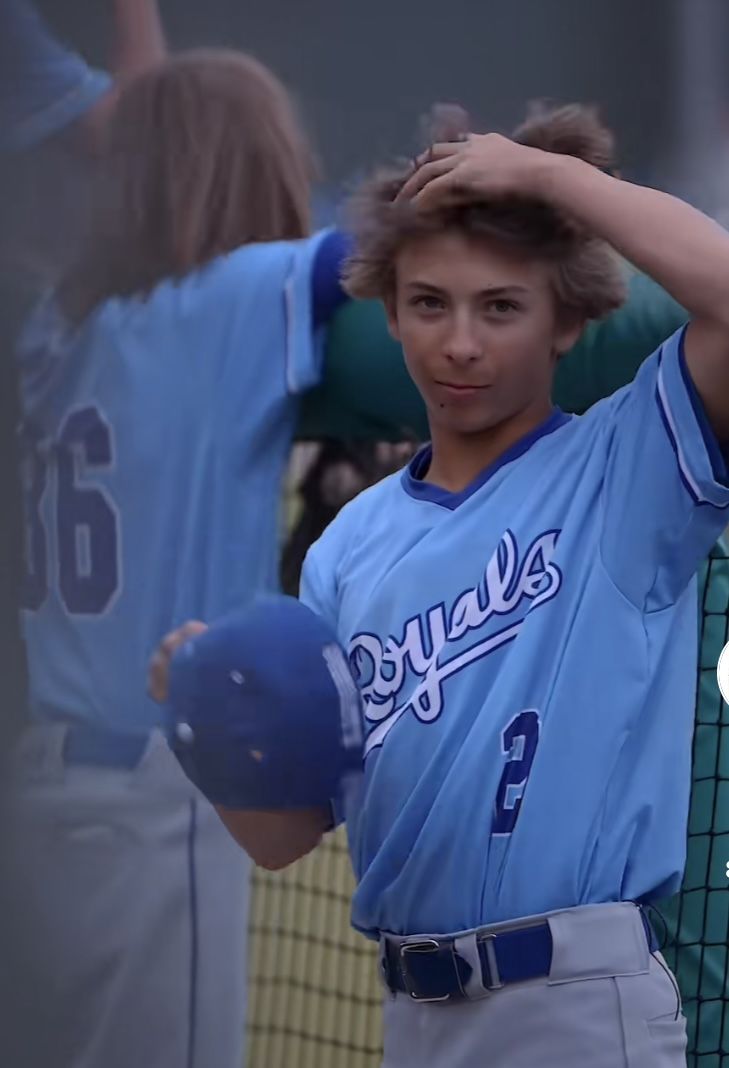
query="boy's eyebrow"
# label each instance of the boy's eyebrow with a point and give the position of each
(489, 291)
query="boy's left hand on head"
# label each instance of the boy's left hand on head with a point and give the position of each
(482, 166)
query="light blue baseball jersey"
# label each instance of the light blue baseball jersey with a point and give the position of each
(156, 437)
(526, 650)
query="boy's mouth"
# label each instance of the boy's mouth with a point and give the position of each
(461, 389)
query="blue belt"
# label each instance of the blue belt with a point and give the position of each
(103, 748)
(430, 969)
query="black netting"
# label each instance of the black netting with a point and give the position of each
(697, 919)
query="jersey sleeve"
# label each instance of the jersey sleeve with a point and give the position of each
(44, 86)
(318, 588)
(666, 488)
(251, 316)
(318, 591)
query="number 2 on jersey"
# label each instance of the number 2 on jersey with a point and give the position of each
(84, 527)
(519, 742)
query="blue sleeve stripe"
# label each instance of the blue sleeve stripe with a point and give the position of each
(304, 342)
(57, 115)
(713, 448)
(290, 299)
(326, 287)
(698, 495)
(683, 471)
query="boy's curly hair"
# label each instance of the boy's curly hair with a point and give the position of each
(587, 275)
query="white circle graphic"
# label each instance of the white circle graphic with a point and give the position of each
(722, 673)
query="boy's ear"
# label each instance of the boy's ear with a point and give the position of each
(390, 305)
(568, 334)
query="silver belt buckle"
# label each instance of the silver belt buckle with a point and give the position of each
(427, 945)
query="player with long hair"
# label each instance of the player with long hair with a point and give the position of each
(160, 382)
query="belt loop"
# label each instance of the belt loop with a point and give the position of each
(597, 942)
(466, 946)
(654, 944)
(384, 965)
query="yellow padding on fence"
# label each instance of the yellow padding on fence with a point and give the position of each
(314, 997)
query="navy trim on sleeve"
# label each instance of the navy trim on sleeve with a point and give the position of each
(44, 86)
(326, 289)
(716, 452)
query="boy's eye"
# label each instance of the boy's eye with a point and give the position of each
(502, 307)
(427, 301)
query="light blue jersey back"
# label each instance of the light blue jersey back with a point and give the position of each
(527, 654)
(156, 436)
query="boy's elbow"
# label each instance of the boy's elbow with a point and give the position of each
(278, 859)
(274, 840)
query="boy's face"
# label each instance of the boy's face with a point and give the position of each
(479, 330)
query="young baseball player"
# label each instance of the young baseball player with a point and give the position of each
(519, 606)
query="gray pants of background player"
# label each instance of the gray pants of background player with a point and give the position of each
(607, 1003)
(133, 920)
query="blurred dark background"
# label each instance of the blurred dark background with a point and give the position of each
(364, 72)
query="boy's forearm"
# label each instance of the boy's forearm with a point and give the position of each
(139, 44)
(678, 246)
(139, 40)
(273, 840)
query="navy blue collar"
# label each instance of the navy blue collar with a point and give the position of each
(412, 476)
